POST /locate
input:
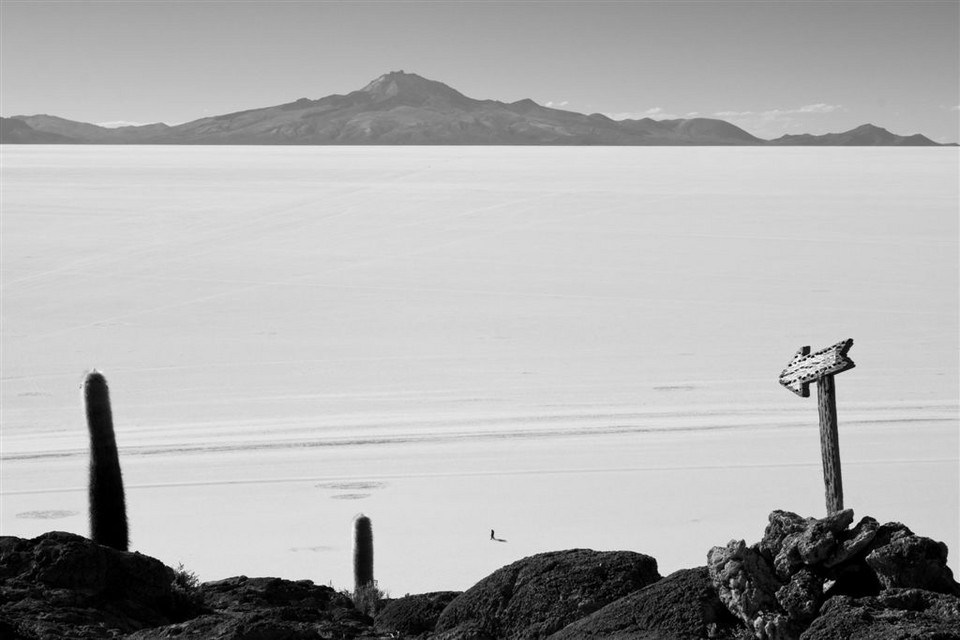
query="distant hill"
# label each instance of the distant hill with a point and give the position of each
(16, 131)
(406, 109)
(866, 135)
(694, 130)
(82, 132)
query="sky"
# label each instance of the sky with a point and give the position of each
(771, 67)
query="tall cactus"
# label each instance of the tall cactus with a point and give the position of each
(362, 553)
(108, 511)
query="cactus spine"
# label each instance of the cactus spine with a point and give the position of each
(108, 511)
(362, 553)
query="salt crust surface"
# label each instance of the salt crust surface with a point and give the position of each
(574, 347)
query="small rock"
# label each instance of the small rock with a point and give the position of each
(821, 537)
(774, 626)
(788, 559)
(781, 524)
(802, 596)
(890, 532)
(811, 545)
(854, 542)
(913, 562)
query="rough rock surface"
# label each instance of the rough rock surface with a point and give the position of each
(812, 544)
(896, 614)
(783, 584)
(243, 608)
(413, 615)
(541, 594)
(802, 596)
(682, 606)
(748, 586)
(61, 581)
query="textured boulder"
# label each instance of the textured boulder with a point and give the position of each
(896, 614)
(913, 562)
(780, 524)
(413, 615)
(539, 595)
(801, 597)
(682, 606)
(853, 542)
(748, 587)
(814, 542)
(63, 581)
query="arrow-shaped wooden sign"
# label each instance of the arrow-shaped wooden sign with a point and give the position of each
(820, 367)
(808, 367)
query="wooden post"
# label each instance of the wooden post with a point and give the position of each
(820, 367)
(830, 443)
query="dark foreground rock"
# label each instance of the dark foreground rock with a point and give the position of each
(413, 615)
(682, 606)
(63, 586)
(244, 608)
(537, 596)
(806, 579)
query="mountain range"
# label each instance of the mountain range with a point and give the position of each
(406, 109)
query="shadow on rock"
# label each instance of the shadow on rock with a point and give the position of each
(539, 595)
(682, 606)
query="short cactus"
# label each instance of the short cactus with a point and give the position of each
(108, 511)
(362, 553)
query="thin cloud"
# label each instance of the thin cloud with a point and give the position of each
(657, 113)
(779, 121)
(820, 107)
(775, 114)
(553, 105)
(114, 124)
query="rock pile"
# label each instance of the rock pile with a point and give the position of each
(779, 586)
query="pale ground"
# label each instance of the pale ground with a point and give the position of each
(575, 347)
